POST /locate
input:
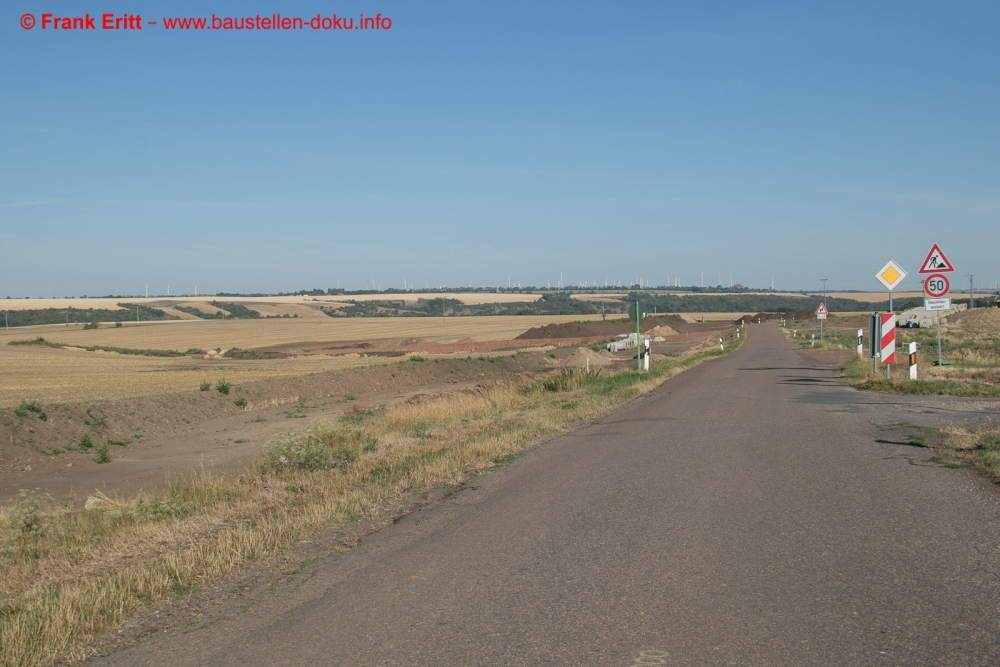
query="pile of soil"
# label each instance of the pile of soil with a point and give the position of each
(662, 330)
(675, 324)
(582, 356)
(608, 329)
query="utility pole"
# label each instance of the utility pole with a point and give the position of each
(972, 296)
(702, 278)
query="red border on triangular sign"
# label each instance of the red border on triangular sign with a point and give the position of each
(948, 266)
(822, 310)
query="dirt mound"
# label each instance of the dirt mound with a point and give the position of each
(662, 330)
(584, 357)
(607, 329)
(669, 325)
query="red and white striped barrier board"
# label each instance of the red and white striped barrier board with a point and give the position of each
(888, 338)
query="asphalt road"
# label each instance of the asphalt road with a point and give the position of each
(745, 513)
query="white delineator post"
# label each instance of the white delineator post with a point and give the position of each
(913, 361)
(861, 336)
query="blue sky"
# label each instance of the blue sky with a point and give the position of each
(600, 140)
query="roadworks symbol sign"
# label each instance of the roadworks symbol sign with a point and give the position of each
(822, 310)
(936, 262)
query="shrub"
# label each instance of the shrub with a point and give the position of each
(241, 403)
(24, 407)
(320, 447)
(205, 386)
(25, 526)
(103, 456)
(86, 443)
(222, 386)
(195, 350)
(417, 357)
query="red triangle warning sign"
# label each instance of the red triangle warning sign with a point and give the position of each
(822, 310)
(936, 262)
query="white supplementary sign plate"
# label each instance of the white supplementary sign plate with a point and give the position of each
(891, 275)
(932, 305)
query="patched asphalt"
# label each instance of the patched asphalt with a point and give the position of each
(751, 511)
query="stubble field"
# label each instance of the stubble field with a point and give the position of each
(69, 374)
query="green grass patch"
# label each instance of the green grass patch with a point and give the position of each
(237, 353)
(930, 388)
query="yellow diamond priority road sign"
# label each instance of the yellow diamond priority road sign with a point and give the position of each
(891, 275)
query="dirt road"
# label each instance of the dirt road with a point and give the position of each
(752, 511)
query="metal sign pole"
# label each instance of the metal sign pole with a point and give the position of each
(939, 339)
(638, 350)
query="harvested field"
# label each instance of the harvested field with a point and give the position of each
(254, 334)
(471, 298)
(981, 322)
(54, 375)
(72, 375)
(872, 296)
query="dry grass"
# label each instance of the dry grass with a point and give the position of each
(979, 448)
(67, 577)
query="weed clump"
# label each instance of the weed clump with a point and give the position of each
(103, 455)
(205, 386)
(24, 407)
(320, 447)
(85, 443)
(417, 357)
(223, 386)
(241, 403)
(26, 526)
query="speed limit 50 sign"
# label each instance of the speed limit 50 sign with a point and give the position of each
(936, 285)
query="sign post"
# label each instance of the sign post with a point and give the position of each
(887, 331)
(821, 314)
(874, 336)
(638, 340)
(936, 286)
(891, 275)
